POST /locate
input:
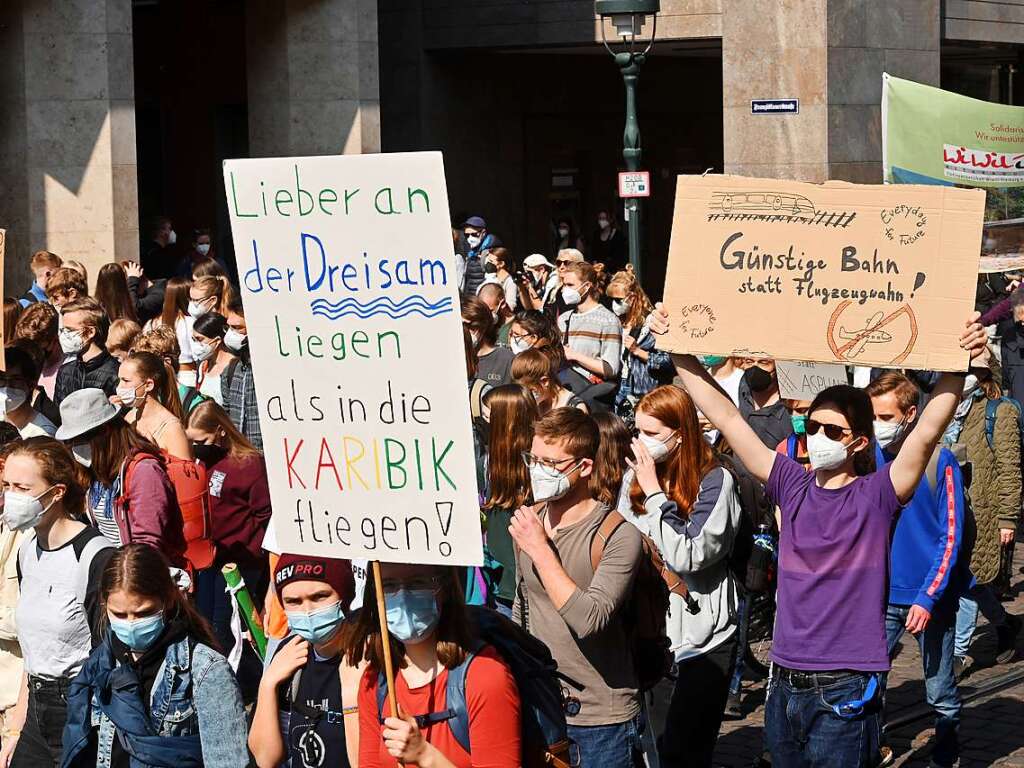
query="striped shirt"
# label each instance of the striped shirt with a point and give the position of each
(594, 333)
(102, 508)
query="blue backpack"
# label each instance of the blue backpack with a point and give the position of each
(991, 406)
(544, 740)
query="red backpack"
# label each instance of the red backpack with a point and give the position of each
(192, 492)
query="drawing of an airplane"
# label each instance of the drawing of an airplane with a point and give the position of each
(865, 335)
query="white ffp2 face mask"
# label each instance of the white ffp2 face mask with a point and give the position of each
(888, 432)
(22, 511)
(659, 449)
(825, 453)
(549, 484)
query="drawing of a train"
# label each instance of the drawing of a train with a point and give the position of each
(784, 204)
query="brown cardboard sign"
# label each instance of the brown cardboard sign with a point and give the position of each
(840, 273)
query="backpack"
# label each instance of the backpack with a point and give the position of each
(991, 406)
(544, 738)
(646, 610)
(191, 398)
(749, 573)
(192, 492)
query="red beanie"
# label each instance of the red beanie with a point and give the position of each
(332, 571)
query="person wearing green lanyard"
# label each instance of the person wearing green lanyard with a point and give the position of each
(795, 446)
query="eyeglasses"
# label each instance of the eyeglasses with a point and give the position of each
(531, 461)
(414, 584)
(563, 262)
(832, 431)
(521, 337)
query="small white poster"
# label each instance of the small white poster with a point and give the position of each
(803, 381)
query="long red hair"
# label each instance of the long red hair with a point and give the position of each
(680, 474)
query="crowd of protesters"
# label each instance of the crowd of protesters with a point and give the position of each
(635, 505)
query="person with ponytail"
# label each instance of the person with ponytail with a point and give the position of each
(155, 692)
(513, 413)
(174, 315)
(147, 388)
(60, 560)
(209, 294)
(130, 498)
(212, 356)
(239, 511)
(685, 501)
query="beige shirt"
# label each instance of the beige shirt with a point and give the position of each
(11, 665)
(587, 637)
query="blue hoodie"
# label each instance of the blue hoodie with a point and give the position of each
(36, 291)
(925, 565)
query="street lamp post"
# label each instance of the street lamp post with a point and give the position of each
(628, 17)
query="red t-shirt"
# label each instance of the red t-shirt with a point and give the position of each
(491, 697)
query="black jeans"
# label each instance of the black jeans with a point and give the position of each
(696, 708)
(40, 742)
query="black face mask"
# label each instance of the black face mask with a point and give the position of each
(490, 267)
(208, 454)
(758, 379)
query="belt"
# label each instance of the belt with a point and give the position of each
(802, 679)
(60, 685)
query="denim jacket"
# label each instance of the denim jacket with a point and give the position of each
(197, 696)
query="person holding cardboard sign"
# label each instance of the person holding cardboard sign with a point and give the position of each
(829, 649)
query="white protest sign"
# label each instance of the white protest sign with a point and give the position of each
(803, 381)
(347, 273)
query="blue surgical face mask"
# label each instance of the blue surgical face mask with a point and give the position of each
(139, 634)
(412, 614)
(317, 627)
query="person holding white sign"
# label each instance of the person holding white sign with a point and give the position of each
(824, 703)
(432, 638)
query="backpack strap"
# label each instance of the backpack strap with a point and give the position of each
(609, 525)
(450, 713)
(476, 404)
(791, 446)
(455, 699)
(89, 550)
(991, 406)
(229, 372)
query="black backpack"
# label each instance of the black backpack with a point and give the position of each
(544, 738)
(757, 510)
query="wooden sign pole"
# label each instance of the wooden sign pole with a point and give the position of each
(389, 669)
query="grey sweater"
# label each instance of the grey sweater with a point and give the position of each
(696, 546)
(587, 637)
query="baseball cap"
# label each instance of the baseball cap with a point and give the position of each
(535, 260)
(476, 222)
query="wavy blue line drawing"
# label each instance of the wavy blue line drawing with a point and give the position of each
(380, 301)
(394, 315)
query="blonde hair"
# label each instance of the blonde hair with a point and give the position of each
(162, 341)
(79, 267)
(45, 259)
(122, 335)
(215, 286)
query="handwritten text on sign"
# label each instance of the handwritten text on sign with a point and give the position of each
(348, 279)
(871, 275)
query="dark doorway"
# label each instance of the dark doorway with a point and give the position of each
(190, 112)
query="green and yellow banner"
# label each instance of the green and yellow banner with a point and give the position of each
(932, 136)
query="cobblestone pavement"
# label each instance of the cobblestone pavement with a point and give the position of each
(992, 729)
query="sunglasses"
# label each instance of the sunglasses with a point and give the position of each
(832, 431)
(563, 262)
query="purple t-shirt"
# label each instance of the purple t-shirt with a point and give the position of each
(833, 569)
